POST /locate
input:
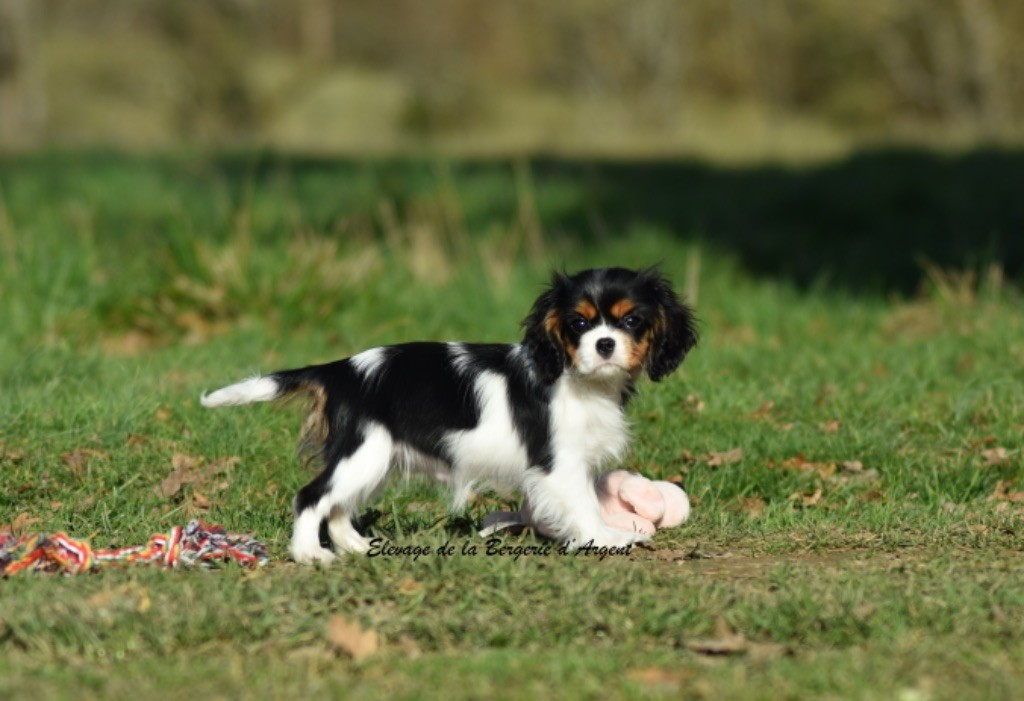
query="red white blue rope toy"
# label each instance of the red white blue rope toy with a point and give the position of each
(198, 543)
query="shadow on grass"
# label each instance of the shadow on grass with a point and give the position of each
(868, 222)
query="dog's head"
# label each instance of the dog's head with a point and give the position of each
(609, 321)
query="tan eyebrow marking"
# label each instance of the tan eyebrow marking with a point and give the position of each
(622, 308)
(587, 310)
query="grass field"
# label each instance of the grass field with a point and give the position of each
(854, 458)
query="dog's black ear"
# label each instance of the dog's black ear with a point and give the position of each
(542, 336)
(675, 329)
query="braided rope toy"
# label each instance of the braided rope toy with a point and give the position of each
(198, 543)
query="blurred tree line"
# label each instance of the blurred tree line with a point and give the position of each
(237, 72)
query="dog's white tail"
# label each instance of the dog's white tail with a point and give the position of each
(255, 389)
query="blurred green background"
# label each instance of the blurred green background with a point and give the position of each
(728, 79)
(827, 142)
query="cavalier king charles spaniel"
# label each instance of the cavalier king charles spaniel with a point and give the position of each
(541, 417)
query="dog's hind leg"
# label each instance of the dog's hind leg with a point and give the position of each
(355, 481)
(337, 494)
(311, 508)
(343, 533)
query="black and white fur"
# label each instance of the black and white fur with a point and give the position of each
(542, 416)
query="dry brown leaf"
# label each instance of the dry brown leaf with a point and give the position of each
(22, 523)
(736, 645)
(11, 455)
(752, 506)
(1002, 493)
(351, 638)
(799, 462)
(812, 499)
(807, 500)
(180, 461)
(763, 412)
(76, 459)
(767, 652)
(855, 476)
(853, 472)
(409, 586)
(829, 427)
(179, 476)
(134, 440)
(129, 344)
(693, 404)
(188, 469)
(995, 456)
(220, 465)
(726, 641)
(726, 457)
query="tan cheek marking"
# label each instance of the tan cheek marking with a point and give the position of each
(551, 322)
(659, 323)
(574, 354)
(553, 328)
(638, 352)
(622, 308)
(587, 310)
(652, 334)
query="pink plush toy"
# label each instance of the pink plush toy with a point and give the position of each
(629, 502)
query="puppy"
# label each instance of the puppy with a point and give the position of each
(542, 416)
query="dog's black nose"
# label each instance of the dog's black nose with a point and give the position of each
(605, 347)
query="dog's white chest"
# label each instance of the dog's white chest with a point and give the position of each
(588, 422)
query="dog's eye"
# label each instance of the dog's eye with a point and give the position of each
(578, 323)
(631, 321)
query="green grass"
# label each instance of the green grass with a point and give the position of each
(128, 286)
